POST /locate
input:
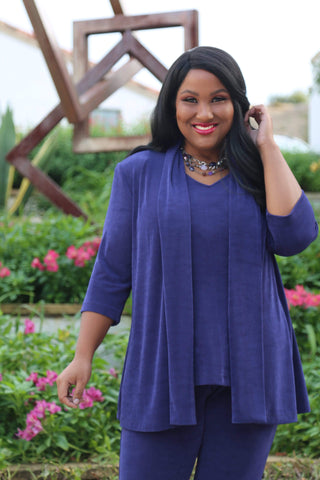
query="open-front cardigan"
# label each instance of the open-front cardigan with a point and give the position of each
(146, 247)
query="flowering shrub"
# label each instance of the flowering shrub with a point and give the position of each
(302, 438)
(84, 253)
(298, 296)
(41, 261)
(34, 427)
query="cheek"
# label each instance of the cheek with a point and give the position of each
(182, 117)
(230, 115)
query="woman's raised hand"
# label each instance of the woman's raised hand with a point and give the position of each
(263, 134)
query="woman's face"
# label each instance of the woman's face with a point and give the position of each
(204, 112)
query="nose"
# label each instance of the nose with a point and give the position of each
(205, 112)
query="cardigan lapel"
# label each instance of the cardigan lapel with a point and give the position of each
(245, 307)
(175, 237)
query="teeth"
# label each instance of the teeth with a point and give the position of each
(201, 127)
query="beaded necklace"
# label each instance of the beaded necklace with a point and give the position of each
(201, 167)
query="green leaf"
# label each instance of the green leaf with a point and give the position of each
(61, 441)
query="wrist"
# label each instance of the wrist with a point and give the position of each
(269, 150)
(83, 356)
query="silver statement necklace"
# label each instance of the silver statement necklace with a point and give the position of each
(201, 167)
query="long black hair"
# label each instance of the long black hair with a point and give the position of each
(243, 156)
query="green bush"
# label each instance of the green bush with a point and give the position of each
(306, 168)
(64, 434)
(63, 160)
(303, 269)
(302, 438)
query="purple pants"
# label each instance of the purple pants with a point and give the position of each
(220, 449)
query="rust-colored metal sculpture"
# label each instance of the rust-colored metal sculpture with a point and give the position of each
(90, 86)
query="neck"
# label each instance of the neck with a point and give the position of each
(207, 157)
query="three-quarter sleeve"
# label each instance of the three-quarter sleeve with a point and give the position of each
(291, 234)
(110, 282)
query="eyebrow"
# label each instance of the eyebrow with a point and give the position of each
(212, 93)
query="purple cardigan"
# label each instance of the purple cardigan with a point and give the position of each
(146, 247)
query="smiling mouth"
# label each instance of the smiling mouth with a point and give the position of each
(204, 128)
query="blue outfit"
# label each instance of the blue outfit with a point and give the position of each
(224, 450)
(209, 251)
(146, 247)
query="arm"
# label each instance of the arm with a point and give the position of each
(290, 218)
(282, 188)
(108, 289)
(93, 329)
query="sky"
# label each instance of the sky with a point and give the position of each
(273, 41)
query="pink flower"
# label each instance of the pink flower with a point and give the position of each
(51, 377)
(29, 326)
(39, 410)
(113, 372)
(96, 243)
(50, 261)
(95, 394)
(53, 407)
(5, 272)
(33, 424)
(300, 297)
(72, 252)
(82, 257)
(90, 251)
(41, 384)
(89, 396)
(1, 377)
(33, 377)
(83, 253)
(37, 264)
(52, 255)
(86, 401)
(33, 428)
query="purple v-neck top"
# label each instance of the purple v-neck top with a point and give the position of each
(209, 247)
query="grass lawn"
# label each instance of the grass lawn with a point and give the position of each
(276, 468)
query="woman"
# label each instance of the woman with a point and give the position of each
(194, 221)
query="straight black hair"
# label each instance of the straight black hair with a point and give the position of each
(244, 160)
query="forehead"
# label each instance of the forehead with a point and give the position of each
(200, 81)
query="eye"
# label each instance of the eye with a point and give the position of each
(189, 100)
(219, 99)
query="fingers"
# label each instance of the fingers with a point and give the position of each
(72, 381)
(77, 394)
(64, 394)
(256, 113)
(68, 395)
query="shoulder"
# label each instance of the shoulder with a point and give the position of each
(144, 162)
(139, 159)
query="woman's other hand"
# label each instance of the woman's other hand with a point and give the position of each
(72, 381)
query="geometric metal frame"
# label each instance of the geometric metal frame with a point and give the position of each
(91, 85)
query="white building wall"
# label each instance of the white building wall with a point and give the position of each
(25, 83)
(314, 121)
(26, 86)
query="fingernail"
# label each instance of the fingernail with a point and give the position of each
(76, 401)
